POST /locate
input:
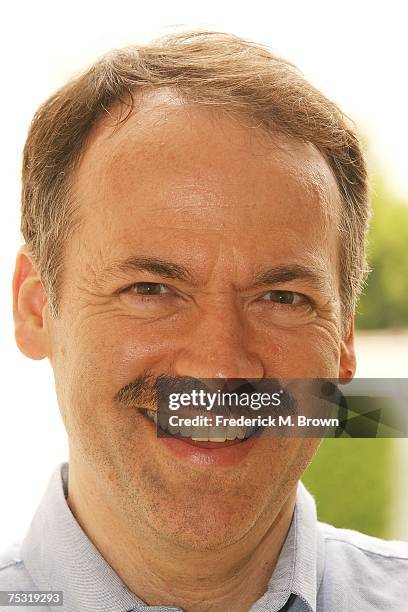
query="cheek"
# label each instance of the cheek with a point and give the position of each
(307, 352)
(93, 360)
(113, 351)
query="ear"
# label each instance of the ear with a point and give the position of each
(30, 304)
(348, 364)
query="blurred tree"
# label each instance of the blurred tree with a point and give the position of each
(351, 479)
(385, 300)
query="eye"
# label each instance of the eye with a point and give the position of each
(145, 300)
(288, 298)
(148, 289)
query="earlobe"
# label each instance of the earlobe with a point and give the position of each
(348, 364)
(29, 308)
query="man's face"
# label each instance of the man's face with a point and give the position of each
(191, 227)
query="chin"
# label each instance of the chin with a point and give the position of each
(211, 536)
(204, 524)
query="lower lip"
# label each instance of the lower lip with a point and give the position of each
(215, 454)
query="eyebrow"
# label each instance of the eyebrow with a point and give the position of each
(153, 265)
(270, 276)
(285, 273)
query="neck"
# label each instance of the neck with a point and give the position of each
(161, 573)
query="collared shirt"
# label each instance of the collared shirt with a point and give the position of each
(320, 568)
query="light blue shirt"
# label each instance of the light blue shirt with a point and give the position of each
(320, 568)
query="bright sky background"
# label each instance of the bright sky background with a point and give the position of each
(356, 52)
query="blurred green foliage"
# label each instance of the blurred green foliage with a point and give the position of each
(385, 300)
(351, 480)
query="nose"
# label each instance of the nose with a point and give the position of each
(218, 345)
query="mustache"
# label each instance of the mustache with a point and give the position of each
(143, 390)
(150, 391)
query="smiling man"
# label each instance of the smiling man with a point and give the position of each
(193, 208)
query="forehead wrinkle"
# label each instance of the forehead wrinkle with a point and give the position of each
(149, 144)
(305, 173)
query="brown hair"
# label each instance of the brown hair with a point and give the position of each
(209, 68)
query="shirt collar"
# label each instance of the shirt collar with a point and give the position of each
(299, 570)
(59, 556)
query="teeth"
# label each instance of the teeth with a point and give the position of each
(163, 421)
(235, 432)
(199, 434)
(173, 429)
(218, 433)
(241, 432)
(152, 415)
(185, 431)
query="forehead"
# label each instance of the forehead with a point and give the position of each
(174, 169)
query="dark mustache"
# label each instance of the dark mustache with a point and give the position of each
(147, 390)
(144, 389)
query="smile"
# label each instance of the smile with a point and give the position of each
(198, 429)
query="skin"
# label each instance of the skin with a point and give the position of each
(195, 188)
